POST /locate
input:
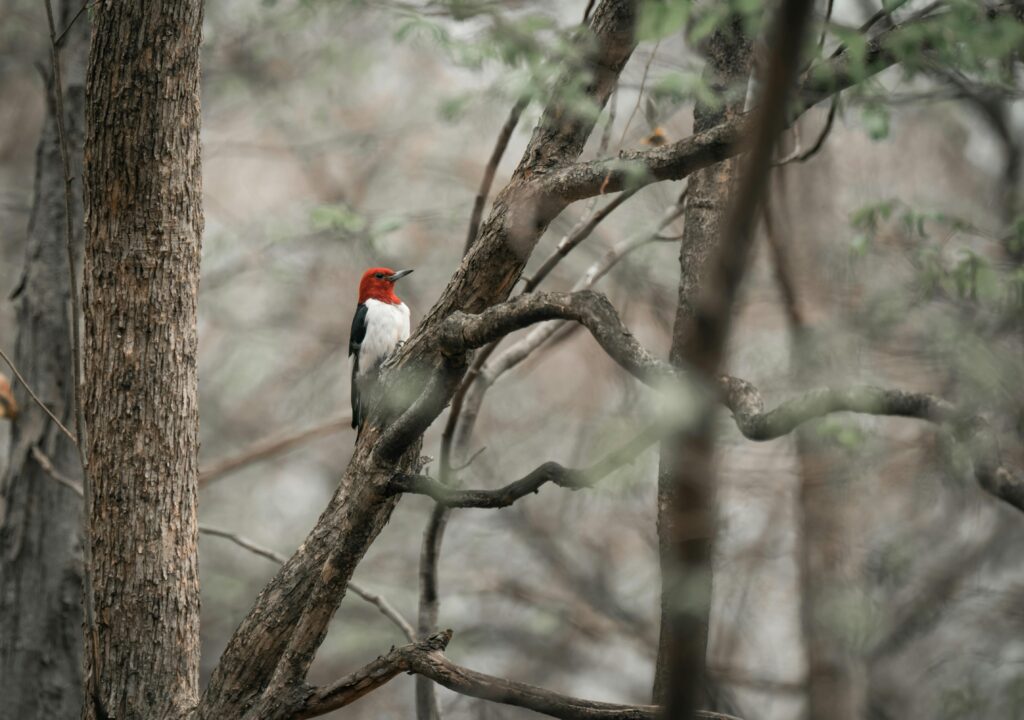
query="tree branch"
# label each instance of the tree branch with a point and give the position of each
(386, 608)
(678, 160)
(549, 472)
(972, 431)
(460, 332)
(370, 677)
(509, 692)
(426, 659)
(35, 398)
(265, 449)
(492, 167)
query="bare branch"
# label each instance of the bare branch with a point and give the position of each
(426, 659)
(461, 332)
(268, 448)
(386, 608)
(549, 472)
(368, 678)
(509, 692)
(492, 167)
(578, 234)
(35, 398)
(47, 465)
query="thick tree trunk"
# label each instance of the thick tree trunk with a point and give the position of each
(143, 228)
(728, 67)
(40, 518)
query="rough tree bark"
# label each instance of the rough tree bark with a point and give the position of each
(143, 228)
(728, 53)
(40, 519)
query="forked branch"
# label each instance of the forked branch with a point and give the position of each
(426, 659)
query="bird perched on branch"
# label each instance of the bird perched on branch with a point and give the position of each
(380, 325)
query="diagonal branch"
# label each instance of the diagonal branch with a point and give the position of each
(509, 692)
(492, 168)
(549, 472)
(386, 608)
(350, 688)
(427, 659)
(265, 449)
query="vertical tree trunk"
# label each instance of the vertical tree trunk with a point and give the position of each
(143, 228)
(728, 67)
(40, 518)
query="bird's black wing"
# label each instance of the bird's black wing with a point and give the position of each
(355, 341)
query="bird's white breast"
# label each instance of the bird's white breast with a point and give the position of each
(386, 326)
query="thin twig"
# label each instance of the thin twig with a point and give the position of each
(640, 93)
(385, 607)
(35, 398)
(549, 472)
(580, 233)
(268, 448)
(47, 465)
(76, 357)
(60, 38)
(492, 167)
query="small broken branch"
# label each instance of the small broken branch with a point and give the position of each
(370, 677)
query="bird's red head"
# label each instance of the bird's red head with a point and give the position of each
(379, 284)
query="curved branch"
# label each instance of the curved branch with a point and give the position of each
(345, 691)
(549, 472)
(509, 692)
(972, 431)
(265, 449)
(460, 332)
(426, 659)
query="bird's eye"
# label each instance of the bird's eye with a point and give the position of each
(379, 275)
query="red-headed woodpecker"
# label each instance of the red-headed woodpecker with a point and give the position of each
(380, 325)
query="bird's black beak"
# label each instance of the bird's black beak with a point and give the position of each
(398, 275)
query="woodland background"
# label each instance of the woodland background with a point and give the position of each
(340, 135)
